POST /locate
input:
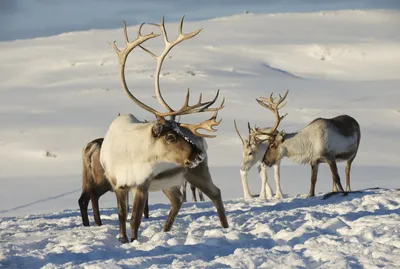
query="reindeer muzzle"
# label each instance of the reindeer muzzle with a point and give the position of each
(199, 152)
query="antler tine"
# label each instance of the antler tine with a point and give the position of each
(123, 55)
(200, 107)
(160, 58)
(205, 125)
(237, 131)
(273, 106)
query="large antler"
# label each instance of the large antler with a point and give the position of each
(270, 104)
(186, 109)
(123, 55)
(160, 59)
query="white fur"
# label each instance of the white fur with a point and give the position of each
(128, 151)
(257, 151)
(309, 144)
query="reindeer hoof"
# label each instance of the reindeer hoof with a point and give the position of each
(123, 240)
(133, 239)
(278, 196)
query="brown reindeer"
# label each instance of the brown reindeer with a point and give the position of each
(95, 183)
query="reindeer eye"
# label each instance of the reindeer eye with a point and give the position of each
(272, 145)
(170, 137)
(250, 153)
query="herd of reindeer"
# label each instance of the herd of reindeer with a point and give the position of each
(164, 154)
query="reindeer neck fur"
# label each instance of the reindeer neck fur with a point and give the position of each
(129, 154)
(262, 147)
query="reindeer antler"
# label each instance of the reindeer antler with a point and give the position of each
(123, 55)
(237, 131)
(270, 104)
(186, 109)
(205, 125)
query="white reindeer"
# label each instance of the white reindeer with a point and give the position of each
(161, 154)
(254, 148)
(323, 140)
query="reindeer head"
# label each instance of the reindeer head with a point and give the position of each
(254, 146)
(275, 138)
(173, 141)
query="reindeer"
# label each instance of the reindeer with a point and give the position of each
(95, 183)
(324, 140)
(160, 154)
(254, 148)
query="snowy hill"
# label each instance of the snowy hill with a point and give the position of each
(59, 92)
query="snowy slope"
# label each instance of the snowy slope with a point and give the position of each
(59, 92)
(359, 231)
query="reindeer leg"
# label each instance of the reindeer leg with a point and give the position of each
(314, 174)
(201, 196)
(334, 188)
(127, 204)
(266, 191)
(184, 190)
(214, 194)
(83, 206)
(200, 177)
(146, 207)
(193, 189)
(95, 196)
(176, 198)
(348, 169)
(335, 176)
(277, 176)
(122, 214)
(96, 211)
(139, 201)
(246, 191)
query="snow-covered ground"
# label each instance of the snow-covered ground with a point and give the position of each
(59, 92)
(359, 231)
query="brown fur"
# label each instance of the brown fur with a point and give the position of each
(199, 177)
(94, 182)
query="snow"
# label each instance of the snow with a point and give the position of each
(59, 92)
(357, 231)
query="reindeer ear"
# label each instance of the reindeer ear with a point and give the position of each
(157, 129)
(279, 136)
